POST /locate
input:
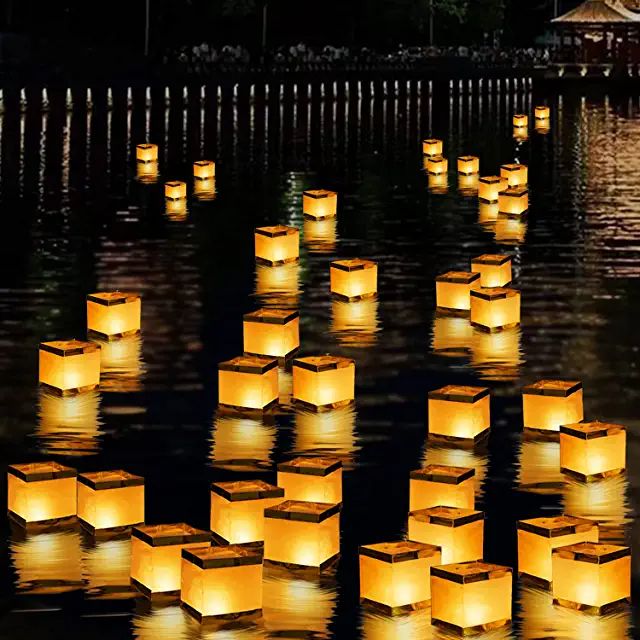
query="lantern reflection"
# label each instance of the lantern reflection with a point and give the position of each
(147, 172)
(176, 210)
(106, 568)
(163, 622)
(510, 230)
(488, 213)
(468, 184)
(438, 183)
(452, 336)
(121, 366)
(113, 314)
(320, 236)
(205, 189)
(539, 468)
(520, 134)
(278, 286)
(475, 457)
(543, 127)
(497, 356)
(412, 626)
(355, 324)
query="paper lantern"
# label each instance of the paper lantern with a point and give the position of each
(457, 453)
(237, 509)
(221, 581)
(538, 537)
(452, 336)
(305, 534)
(319, 204)
(521, 134)
(468, 165)
(354, 279)
(593, 450)
(437, 485)
(542, 113)
(453, 290)
(69, 366)
(175, 190)
(156, 555)
(323, 382)
(110, 500)
(468, 185)
(106, 567)
(459, 412)
(517, 175)
(438, 183)
(471, 597)
(320, 236)
(204, 188)
(513, 201)
(520, 120)
(40, 492)
(147, 153)
(248, 382)
(147, 172)
(489, 187)
(437, 165)
(314, 479)
(495, 308)
(494, 269)
(432, 147)
(271, 332)
(113, 314)
(355, 323)
(459, 533)
(204, 169)
(277, 245)
(548, 404)
(591, 576)
(394, 576)
(330, 433)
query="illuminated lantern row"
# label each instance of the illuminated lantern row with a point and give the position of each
(538, 537)
(311, 479)
(319, 204)
(354, 279)
(489, 187)
(204, 170)
(542, 113)
(432, 147)
(323, 382)
(549, 404)
(520, 120)
(394, 576)
(147, 153)
(453, 290)
(468, 165)
(459, 413)
(271, 332)
(175, 190)
(517, 175)
(248, 382)
(277, 245)
(113, 314)
(69, 366)
(437, 485)
(436, 165)
(495, 308)
(513, 201)
(494, 270)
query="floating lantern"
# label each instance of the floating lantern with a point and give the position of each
(354, 279)
(454, 288)
(271, 332)
(323, 382)
(221, 581)
(494, 269)
(459, 412)
(437, 485)
(204, 169)
(438, 183)
(113, 314)
(306, 534)
(242, 443)
(548, 404)
(468, 185)
(452, 336)
(468, 165)
(248, 382)
(520, 120)
(277, 245)
(40, 492)
(320, 236)
(319, 204)
(147, 153)
(471, 597)
(175, 190)
(437, 165)
(311, 479)
(237, 509)
(517, 175)
(205, 188)
(69, 366)
(156, 555)
(495, 308)
(542, 113)
(513, 201)
(591, 576)
(106, 568)
(355, 323)
(394, 576)
(489, 187)
(110, 499)
(593, 450)
(432, 147)
(147, 171)
(538, 537)
(459, 533)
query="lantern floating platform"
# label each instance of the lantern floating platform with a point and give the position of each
(494, 269)
(175, 190)
(354, 279)
(453, 290)
(113, 315)
(489, 188)
(147, 153)
(542, 113)
(437, 485)
(459, 413)
(432, 147)
(248, 383)
(271, 332)
(204, 169)
(513, 201)
(277, 245)
(316, 479)
(323, 382)
(495, 308)
(468, 165)
(436, 165)
(517, 175)
(319, 204)
(548, 404)
(68, 367)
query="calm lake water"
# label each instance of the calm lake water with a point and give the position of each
(76, 220)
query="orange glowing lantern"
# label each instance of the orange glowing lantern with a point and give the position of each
(437, 485)
(453, 290)
(354, 279)
(461, 413)
(271, 332)
(175, 190)
(495, 308)
(277, 245)
(311, 479)
(320, 236)
(147, 153)
(517, 175)
(542, 113)
(437, 165)
(324, 382)
(69, 366)
(204, 169)
(489, 187)
(468, 165)
(513, 201)
(319, 204)
(548, 404)
(432, 147)
(248, 382)
(520, 120)
(468, 184)
(494, 270)
(113, 314)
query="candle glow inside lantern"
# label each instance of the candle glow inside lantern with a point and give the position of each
(513, 201)
(221, 581)
(495, 308)
(156, 555)
(113, 314)
(110, 500)
(354, 279)
(437, 165)
(489, 188)
(248, 382)
(471, 597)
(204, 169)
(41, 492)
(517, 175)
(316, 479)
(459, 533)
(432, 147)
(592, 450)
(237, 509)
(394, 576)
(453, 290)
(591, 577)
(437, 485)
(468, 165)
(175, 190)
(147, 153)
(319, 204)
(277, 245)
(542, 113)
(494, 269)
(323, 382)
(520, 120)
(459, 412)
(548, 404)
(69, 366)
(271, 332)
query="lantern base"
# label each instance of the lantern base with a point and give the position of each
(111, 533)
(68, 392)
(453, 313)
(282, 360)
(42, 526)
(394, 611)
(534, 581)
(576, 475)
(323, 566)
(276, 263)
(445, 438)
(112, 337)
(470, 631)
(485, 329)
(317, 408)
(258, 544)
(155, 596)
(230, 619)
(308, 216)
(596, 611)
(363, 296)
(235, 410)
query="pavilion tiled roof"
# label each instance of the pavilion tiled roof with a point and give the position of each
(599, 12)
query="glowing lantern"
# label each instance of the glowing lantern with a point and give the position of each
(459, 412)
(548, 404)
(271, 332)
(542, 113)
(319, 204)
(205, 188)
(432, 147)
(221, 581)
(156, 555)
(437, 165)
(468, 185)
(494, 270)
(277, 245)
(204, 169)
(175, 190)
(355, 323)
(520, 120)
(489, 187)
(311, 479)
(394, 576)
(69, 366)
(147, 153)
(40, 492)
(591, 576)
(110, 499)
(437, 485)
(248, 382)
(147, 171)
(452, 336)
(468, 165)
(306, 534)
(592, 450)
(453, 289)
(517, 175)
(320, 236)
(495, 308)
(354, 279)
(459, 533)
(113, 314)
(513, 201)
(321, 382)
(438, 183)
(471, 597)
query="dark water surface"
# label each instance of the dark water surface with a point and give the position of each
(75, 220)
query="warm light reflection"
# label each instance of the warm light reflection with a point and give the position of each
(468, 184)
(510, 230)
(121, 366)
(539, 466)
(521, 134)
(320, 236)
(355, 324)
(438, 183)
(163, 623)
(205, 189)
(147, 172)
(176, 210)
(497, 356)
(488, 213)
(106, 567)
(412, 626)
(475, 458)
(451, 336)
(278, 286)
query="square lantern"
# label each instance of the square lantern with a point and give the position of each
(110, 500)
(490, 186)
(315, 479)
(394, 576)
(354, 279)
(277, 245)
(513, 201)
(248, 382)
(305, 534)
(147, 153)
(41, 492)
(458, 532)
(204, 169)
(453, 290)
(113, 314)
(520, 120)
(461, 413)
(156, 555)
(517, 175)
(548, 404)
(495, 308)
(221, 581)
(437, 485)
(593, 450)
(494, 269)
(324, 382)
(468, 165)
(69, 366)
(591, 577)
(432, 147)
(271, 332)
(437, 165)
(237, 509)
(471, 597)
(538, 537)
(175, 190)
(319, 204)
(542, 113)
